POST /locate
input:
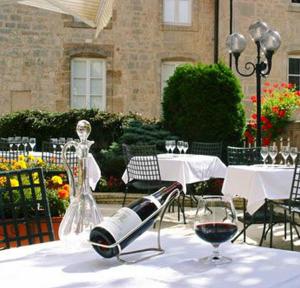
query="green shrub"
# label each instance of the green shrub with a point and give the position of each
(203, 103)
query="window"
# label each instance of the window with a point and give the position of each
(167, 70)
(88, 83)
(296, 1)
(178, 12)
(294, 71)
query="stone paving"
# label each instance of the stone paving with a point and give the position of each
(253, 233)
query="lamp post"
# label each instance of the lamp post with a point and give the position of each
(267, 42)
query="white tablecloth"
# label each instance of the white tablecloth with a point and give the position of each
(257, 183)
(188, 168)
(51, 265)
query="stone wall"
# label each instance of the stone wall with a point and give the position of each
(36, 47)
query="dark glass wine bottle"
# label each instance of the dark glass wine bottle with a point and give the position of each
(113, 229)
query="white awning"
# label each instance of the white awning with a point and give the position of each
(95, 13)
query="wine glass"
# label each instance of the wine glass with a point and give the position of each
(185, 146)
(285, 152)
(25, 141)
(167, 145)
(264, 152)
(54, 142)
(172, 145)
(294, 154)
(61, 142)
(18, 141)
(180, 146)
(11, 142)
(32, 143)
(215, 223)
(273, 153)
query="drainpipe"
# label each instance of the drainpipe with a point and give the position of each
(216, 32)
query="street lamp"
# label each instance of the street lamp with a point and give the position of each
(267, 42)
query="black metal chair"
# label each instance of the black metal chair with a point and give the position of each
(52, 154)
(290, 206)
(251, 156)
(203, 148)
(24, 209)
(143, 170)
(9, 154)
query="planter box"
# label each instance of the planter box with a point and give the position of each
(33, 227)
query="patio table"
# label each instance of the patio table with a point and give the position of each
(188, 168)
(257, 183)
(52, 265)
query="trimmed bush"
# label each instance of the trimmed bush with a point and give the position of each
(203, 103)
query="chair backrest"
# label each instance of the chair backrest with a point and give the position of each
(243, 156)
(142, 162)
(53, 154)
(8, 153)
(24, 209)
(295, 189)
(203, 148)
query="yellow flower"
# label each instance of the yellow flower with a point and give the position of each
(57, 180)
(30, 157)
(3, 167)
(19, 165)
(40, 161)
(2, 181)
(21, 158)
(14, 183)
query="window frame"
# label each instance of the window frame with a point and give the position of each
(288, 68)
(88, 83)
(177, 12)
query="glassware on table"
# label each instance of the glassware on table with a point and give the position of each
(32, 143)
(185, 146)
(294, 154)
(215, 223)
(273, 153)
(285, 152)
(264, 152)
(82, 214)
(11, 142)
(172, 145)
(180, 146)
(61, 142)
(18, 142)
(25, 141)
(167, 145)
(54, 142)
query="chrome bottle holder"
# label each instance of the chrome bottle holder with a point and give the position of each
(157, 250)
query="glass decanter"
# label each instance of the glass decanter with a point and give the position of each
(82, 214)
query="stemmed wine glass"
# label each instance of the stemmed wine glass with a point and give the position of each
(180, 146)
(273, 153)
(264, 152)
(18, 141)
(61, 142)
(25, 141)
(215, 223)
(167, 145)
(285, 152)
(185, 147)
(294, 154)
(54, 142)
(172, 145)
(11, 142)
(32, 143)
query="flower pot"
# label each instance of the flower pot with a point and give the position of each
(11, 231)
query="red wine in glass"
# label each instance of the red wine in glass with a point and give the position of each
(215, 223)
(216, 232)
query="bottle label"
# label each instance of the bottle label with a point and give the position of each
(121, 223)
(153, 200)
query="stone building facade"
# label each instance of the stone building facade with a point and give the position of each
(44, 55)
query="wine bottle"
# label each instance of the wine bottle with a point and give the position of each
(113, 229)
